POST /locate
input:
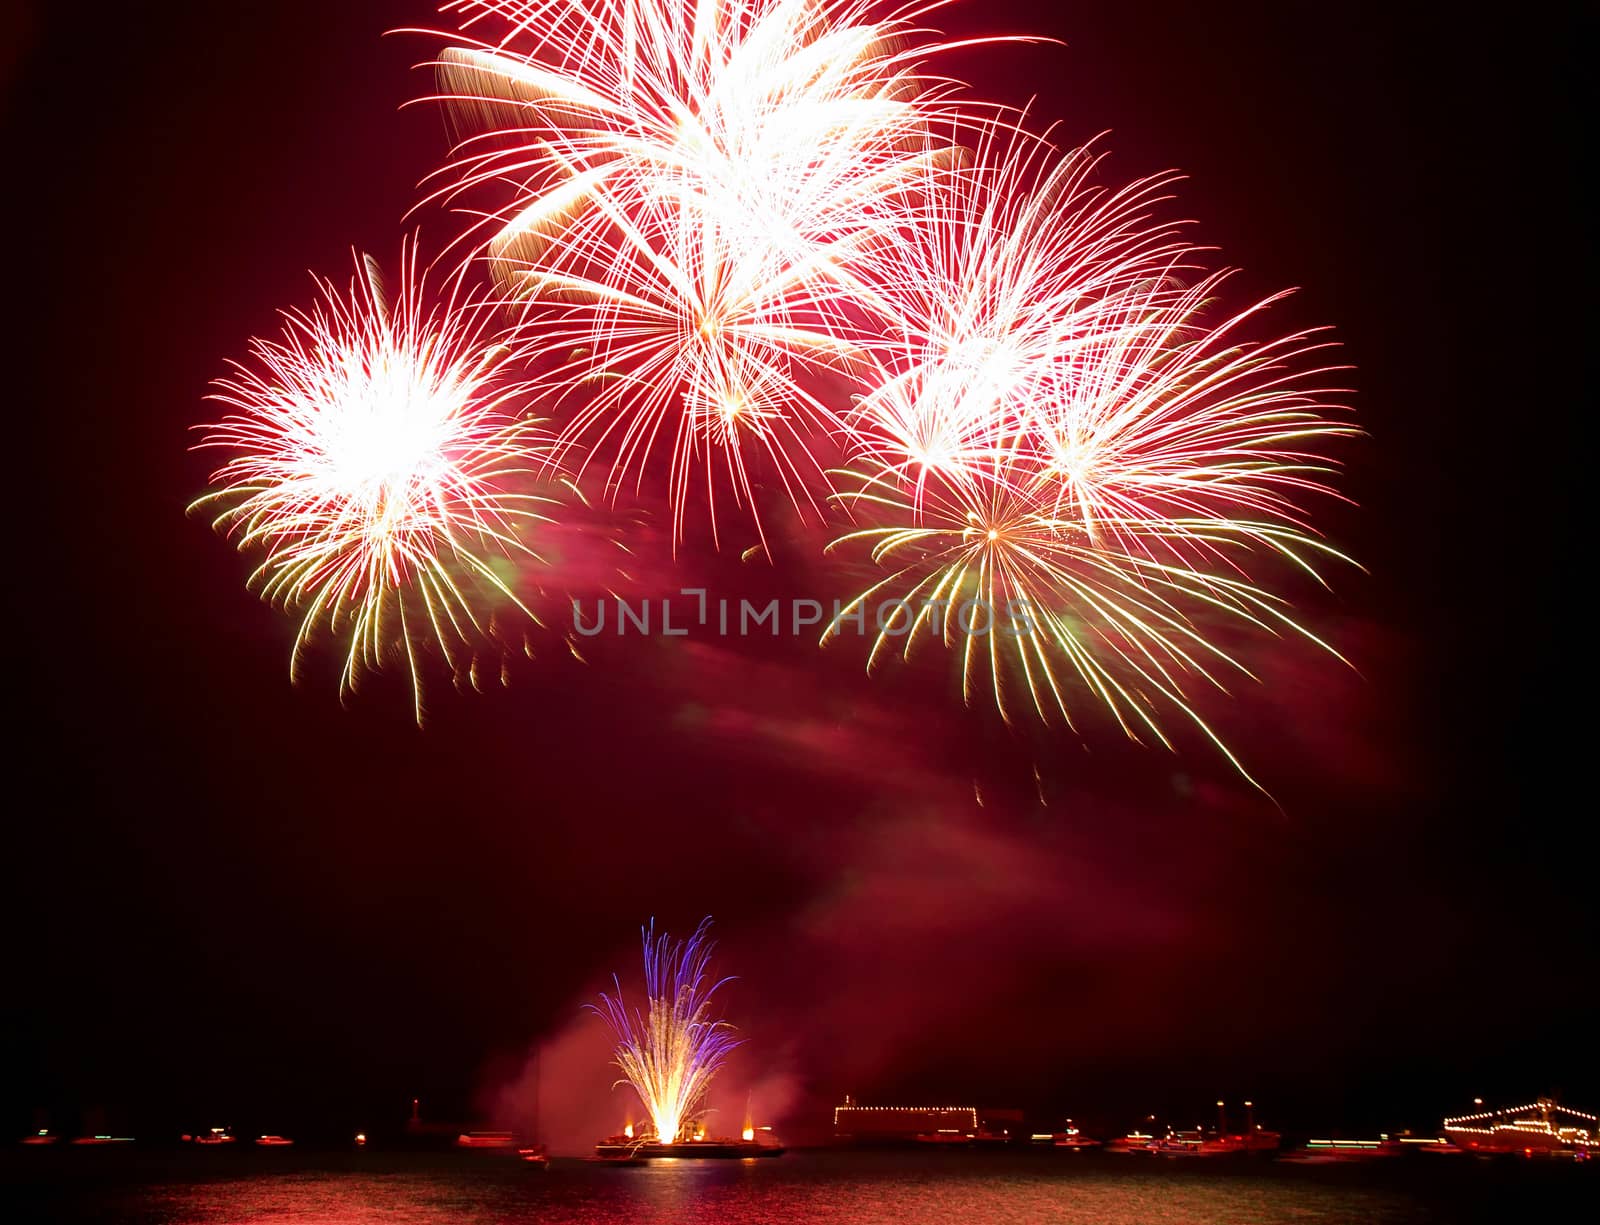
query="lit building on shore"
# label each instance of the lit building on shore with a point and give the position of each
(857, 1124)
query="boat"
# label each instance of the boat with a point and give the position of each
(1070, 1139)
(535, 1155)
(43, 1136)
(217, 1135)
(945, 1137)
(1073, 1142)
(1135, 1141)
(722, 1148)
(987, 1137)
(1539, 1129)
(1196, 1142)
(1191, 1142)
(100, 1140)
(1335, 1152)
(1199, 1142)
(494, 1140)
(274, 1141)
(1427, 1144)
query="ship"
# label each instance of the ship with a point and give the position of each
(860, 1125)
(942, 1126)
(1539, 1129)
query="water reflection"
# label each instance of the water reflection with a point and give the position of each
(846, 1188)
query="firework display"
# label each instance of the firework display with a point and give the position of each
(1068, 462)
(754, 251)
(1012, 265)
(694, 191)
(375, 459)
(670, 1051)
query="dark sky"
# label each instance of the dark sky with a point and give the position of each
(230, 897)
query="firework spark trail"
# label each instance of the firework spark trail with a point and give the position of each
(1067, 445)
(1022, 593)
(375, 450)
(690, 189)
(1015, 260)
(670, 1052)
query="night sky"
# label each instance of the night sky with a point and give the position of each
(230, 899)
